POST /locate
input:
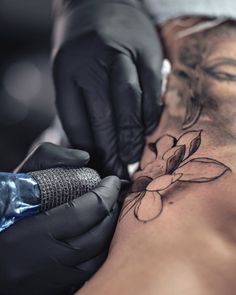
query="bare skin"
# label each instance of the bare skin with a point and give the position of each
(187, 244)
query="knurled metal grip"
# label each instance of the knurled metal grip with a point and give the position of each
(61, 185)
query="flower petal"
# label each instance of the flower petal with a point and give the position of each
(191, 140)
(174, 157)
(202, 170)
(149, 207)
(140, 184)
(163, 182)
(164, 143)
(148, 157)
(152, 170)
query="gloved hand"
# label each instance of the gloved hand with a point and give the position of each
(49, 155)
(107, 75)
(53, 251)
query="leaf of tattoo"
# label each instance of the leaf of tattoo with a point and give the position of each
(202, 170)
(193, 111)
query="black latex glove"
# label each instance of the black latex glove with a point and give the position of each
(107, 75)
(53, 251)
(49, 155)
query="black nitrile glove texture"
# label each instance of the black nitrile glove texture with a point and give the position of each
(107, 62)
(48, 155)
(52, 252)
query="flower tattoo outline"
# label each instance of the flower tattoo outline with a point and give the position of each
(170, 164)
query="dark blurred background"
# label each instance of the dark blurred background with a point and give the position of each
(26, 90)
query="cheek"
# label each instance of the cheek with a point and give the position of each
(209, 96)
(175, 97)
(219, 89)
(174, 103)
(217, 96)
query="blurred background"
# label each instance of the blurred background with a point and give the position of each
(26, 89)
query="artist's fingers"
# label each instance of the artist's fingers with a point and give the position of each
(94, 241)
(150, 64)
(102, 120)
(71, 106)
(88, 268)
(127, 104)
(74, 275)
(80, 215)
(49, 155)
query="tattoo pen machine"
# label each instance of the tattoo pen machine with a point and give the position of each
(26, 194)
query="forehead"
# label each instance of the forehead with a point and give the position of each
(226, 48)
(215, 43)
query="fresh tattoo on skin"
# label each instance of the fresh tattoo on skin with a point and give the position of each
(171, 163)
(204, 78)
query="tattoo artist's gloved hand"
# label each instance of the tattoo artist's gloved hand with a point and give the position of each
(107, 74)
(48, 155)
(53, 251)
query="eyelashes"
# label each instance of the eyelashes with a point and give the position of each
(221, 69)
(182, 74)
(219, 75)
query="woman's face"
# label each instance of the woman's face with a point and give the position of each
(204, 66)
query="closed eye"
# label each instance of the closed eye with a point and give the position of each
(220, 75)
(223, 70)
(182, 74)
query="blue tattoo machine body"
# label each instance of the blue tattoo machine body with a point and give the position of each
(19, 198)
(23, 195)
